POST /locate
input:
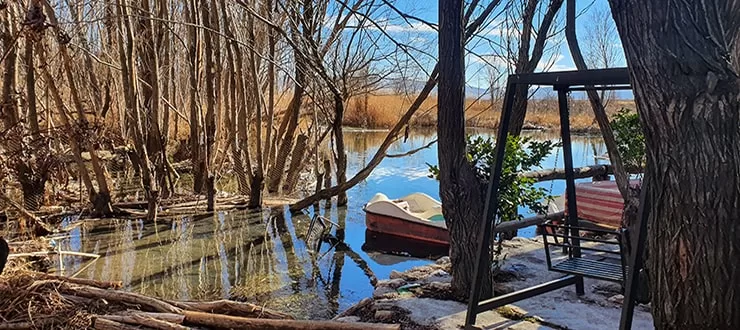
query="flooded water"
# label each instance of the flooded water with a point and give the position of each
(262, 257)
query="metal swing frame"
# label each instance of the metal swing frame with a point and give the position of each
(563, 82)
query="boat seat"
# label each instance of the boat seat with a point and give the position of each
(402, 204)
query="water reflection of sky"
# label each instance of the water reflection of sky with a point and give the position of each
(262, 256)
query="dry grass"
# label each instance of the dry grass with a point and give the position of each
(383, 111)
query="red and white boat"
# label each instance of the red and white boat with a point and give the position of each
(417, 216)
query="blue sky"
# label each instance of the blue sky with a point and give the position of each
(479, 66)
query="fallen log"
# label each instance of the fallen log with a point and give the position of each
(103, 324)
(36, 324)
(121, 296)
(147, 321)
(578, 172)
(82, 281)
(40, 227)
(235, 322)
(354, 308)
(508, 226)
(169, 317)
(230, 307)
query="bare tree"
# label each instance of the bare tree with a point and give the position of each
(526, 54)
(602, 48)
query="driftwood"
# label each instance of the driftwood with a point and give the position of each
(168, 317)
(103, 324)
(60, 299)
(36, 324)
(121, 296)
(147, 321)
(234, 322)
(230, 307)
(579, 172)
(82, 281)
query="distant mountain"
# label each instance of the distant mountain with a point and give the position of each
(395, 86)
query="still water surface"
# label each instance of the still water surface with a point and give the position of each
(262, 257)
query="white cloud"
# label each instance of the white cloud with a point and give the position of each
(558, 63)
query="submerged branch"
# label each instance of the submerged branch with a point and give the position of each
(413, 151)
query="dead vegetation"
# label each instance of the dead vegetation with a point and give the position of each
(34, 300)
(383, 111)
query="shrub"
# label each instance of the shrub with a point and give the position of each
(630, 139)
(522, 154)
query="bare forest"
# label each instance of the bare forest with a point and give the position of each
(149, 101)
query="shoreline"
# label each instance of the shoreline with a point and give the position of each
(419, 298)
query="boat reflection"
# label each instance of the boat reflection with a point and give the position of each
(388, 249)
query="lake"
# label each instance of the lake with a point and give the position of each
(262, 257)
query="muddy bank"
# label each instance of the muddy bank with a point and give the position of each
(420, 299)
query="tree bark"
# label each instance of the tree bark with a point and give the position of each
(684, 68)
(286, 134)
(461, 191)
(196, 117)
(211, 99)
(296, 163)
(341, 154)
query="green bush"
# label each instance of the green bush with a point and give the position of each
(522, 154)
(629, 138)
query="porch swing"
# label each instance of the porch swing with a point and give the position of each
(566, 235)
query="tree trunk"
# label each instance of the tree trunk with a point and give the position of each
(296, 163)
(684, 67)
(620, 173)
(101, 201)
(527, 62)
(151, 94)
(460, 190)
(286, 135)
(341, 156)
(196, 132)
(211, 100)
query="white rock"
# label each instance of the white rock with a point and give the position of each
(617, 299)
(443, 261)
(348, 319)
(393, 283)
(395, 274)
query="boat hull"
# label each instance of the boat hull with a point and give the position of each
(390, 225)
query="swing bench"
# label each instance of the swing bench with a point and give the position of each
(599, 266)
(604, 260)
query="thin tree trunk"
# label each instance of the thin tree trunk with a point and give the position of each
(341, 156)
(66, 122)
(196, 134)
(527, 62)
(620, 173)
(287, 135)
(684, 70)
(211, 99)
(461, 191)
(102, 200)
(296, 163)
